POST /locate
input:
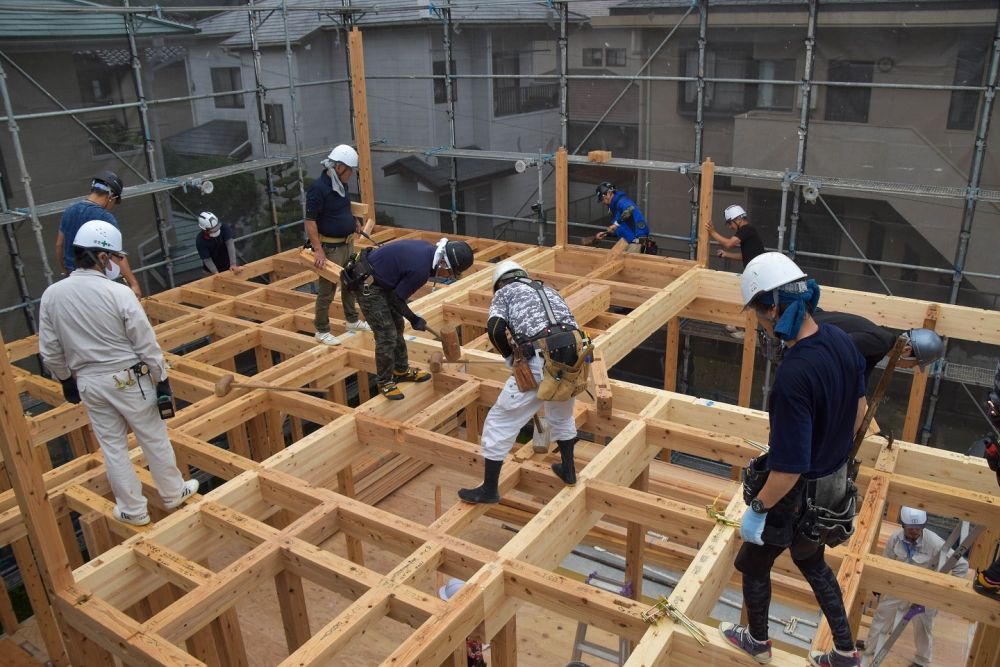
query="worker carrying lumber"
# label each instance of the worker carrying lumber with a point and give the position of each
(987, 582)
(383, 278)
(916, 545)
(105, 193)
(745, 236)
(330, 228)
(215, 244)
(551, 361)
(627, 220)
(800, 495)
(96, 340)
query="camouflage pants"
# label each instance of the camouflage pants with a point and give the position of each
(387, 324)
(327, 290)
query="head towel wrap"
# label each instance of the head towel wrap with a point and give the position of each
(440, 254)
(800, 297)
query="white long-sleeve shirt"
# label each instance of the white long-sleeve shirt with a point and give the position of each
(929, 552)
(90, 325)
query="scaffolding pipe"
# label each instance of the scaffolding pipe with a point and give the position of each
(17, 265)
(699, 131)
(294, 109)
(260, 95)
(969, 213)
(15, 136)
(563, 47)
(806, 100)
(348, 22)
(445, 13)
(850, 239)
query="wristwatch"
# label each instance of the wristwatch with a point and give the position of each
(757, 506)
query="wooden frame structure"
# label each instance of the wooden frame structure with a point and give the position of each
(300, 468)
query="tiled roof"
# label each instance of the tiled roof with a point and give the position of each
(40, 24)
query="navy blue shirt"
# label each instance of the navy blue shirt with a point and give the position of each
(73, 218)
(214, 247)
(872, 341)
(331, 212)
(402, 266)
(814, 404)
(631, 222)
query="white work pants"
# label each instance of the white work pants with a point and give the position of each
(888, 614)
(111, 410)
(514, 408)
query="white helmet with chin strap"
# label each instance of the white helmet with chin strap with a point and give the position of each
(507, 269)
(766, 273)
(343, 154)
(909, 516)
(209, 222)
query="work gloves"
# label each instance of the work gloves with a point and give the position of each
(418, 323)
(752, 526)
(508, 361)
(70, 391)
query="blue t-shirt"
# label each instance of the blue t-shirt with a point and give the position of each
(402, 266)
(328, 208)
(631, 222)
(73, 218)
(814, 404)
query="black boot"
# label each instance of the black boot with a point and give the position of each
(487, 493)
(566, 471)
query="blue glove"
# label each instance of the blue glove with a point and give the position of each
(752, 526)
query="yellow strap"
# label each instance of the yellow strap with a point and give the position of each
(333, 239)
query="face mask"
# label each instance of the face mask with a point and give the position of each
(112, 270)
(215, 232)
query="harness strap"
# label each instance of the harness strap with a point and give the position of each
(538, 287)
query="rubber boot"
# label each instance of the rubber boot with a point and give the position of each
(566, 471)
(487, 492)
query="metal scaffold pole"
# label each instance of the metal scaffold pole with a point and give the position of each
(450, 99)
(260, 95)
(800, 159)
(294, 108)
(17, 265)
(563, 71)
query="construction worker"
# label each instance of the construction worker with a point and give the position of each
(544, 333)
(745, 236)
(916, 545)
(105, 193)
(215, 245)
(803, 499)
(330, 229)
(383, 279)
(987, 582)
(96, 340)
(627, 220)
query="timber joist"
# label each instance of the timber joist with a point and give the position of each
(298, 477)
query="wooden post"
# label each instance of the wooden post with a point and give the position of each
(671, 353)
(705, 209)
(985, 649)
(749, 354)
(914, 407)
(504, 645)
(22, 468)
(635, 543)
(562, 197)
(345, 486)
(294, 614)
(360, 97)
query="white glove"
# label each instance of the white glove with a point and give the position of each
(509, 362)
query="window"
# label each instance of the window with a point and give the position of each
(721, 99)
(274, 115)
(593, 57)
(968, 72)
(440, 87)
(614, 57)
(115, 134)
(100, 79)
(514, 96)
(849, 104)
(772, 95)
(223, 79)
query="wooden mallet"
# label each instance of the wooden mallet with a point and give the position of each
(449, 343)
(227, 383)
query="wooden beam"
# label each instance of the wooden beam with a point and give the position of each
(749, 355)
(918, 387)
(562, 197)
(706, 188)
(359, 97)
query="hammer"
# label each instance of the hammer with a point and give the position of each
(449, 343)
(227, 383)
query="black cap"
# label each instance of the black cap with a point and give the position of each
(459, 254)
(111, 181)
(604, 188)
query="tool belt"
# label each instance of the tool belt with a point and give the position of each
(647, 246)
(567, 357)
(357, 271)
(334, 241)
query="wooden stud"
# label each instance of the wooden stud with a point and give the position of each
(562, 197)
(749, 354)
(707, 188)
(918, 387)
(360, 99)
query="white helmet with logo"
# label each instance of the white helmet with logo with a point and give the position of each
(209, 222)
(507, 269)
(344, 154)
(908, 516)
(767, 272)
(100, 236)
(734, 211)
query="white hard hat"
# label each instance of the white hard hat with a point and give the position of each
(506, 267)
(734, 211)
(447, 591)
(99, 235)
(208, 221)
(908, 516)
(342, 153)
(766, 272)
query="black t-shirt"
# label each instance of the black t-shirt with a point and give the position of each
(872, 341)
(214, 247)
(751, 244)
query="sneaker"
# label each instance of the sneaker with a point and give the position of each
(411, 375)
(326, 338)
(391, 391)
(834, 659)
(134, 519)
(739, 636)
(984, 586)
(360, 325)
(190, 488)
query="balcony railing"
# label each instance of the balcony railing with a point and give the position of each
(509, 100)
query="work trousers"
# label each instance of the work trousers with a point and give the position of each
(755, 561)
(326, 290)
(111, 410)
(514, 408)
(888, 614)
(384, 316)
